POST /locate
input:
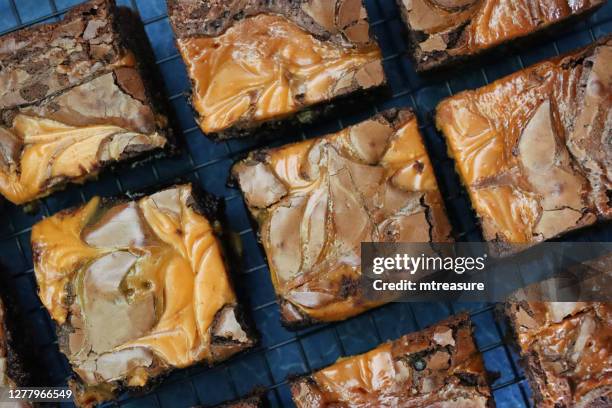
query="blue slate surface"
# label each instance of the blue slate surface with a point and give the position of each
(281, 352)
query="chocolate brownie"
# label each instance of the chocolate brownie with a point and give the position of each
(262, 65)
(534, 150)
(436, 367)
(138, 288)
(442, 32)
(316, 201)
(564, 345)
(566, 351)
(75, 97)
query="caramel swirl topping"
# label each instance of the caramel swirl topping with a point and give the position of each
(139, 287)
(533, 149)
(41, 153)
(317, 200)
(72, 136)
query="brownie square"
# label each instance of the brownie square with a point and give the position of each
(75, 97)
(316, 201)
(138, 288)
(533, 149)
(444, 32)
(565, 348)
(439, 366)
(265, 65)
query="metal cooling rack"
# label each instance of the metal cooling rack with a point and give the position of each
(281, 353)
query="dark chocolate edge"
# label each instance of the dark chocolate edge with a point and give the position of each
(16, 368)
(134, 37)
(508, 47)
(212, 208)
(528, 362)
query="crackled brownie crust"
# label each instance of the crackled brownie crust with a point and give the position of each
(442, 32)
(137, 288)
(439, 366)
(77, 96)
(534, 148)
(316, 201)
(566, 351)
(264, 65)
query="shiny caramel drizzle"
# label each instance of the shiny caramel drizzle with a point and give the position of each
(52, 152)
(265, 67)
(317, 200)
(177, 275)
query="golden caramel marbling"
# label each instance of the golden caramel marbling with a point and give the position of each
(316, 201)
(533, 148)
